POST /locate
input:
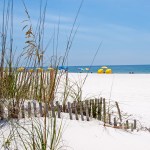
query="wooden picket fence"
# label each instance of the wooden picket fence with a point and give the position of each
(84, 110)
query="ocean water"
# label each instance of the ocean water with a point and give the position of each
(138, 69)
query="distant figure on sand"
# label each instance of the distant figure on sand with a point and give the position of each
(131, 72)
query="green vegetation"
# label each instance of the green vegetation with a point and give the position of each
(17, 84)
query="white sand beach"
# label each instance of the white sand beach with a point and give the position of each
(132, 91)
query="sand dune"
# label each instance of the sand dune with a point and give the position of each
(132, 91)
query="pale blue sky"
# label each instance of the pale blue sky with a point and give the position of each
(123, 26)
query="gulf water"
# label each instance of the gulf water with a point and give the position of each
(138, 69)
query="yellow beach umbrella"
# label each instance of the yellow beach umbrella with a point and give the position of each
(31, 70)
(50, 68)
(21, 69)
(39, 69)
(104, 67)
(100, 71)
(108, 71)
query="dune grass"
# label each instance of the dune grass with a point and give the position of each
(18, 84)
(31, 82)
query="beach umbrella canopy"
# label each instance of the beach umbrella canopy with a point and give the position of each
(50, 68)
(31, 70)
(21, 69)
(104, 67)
(100, 71)
(81, 69)
(63, 68)
(87, 69)
(108, 71)
(40, 69)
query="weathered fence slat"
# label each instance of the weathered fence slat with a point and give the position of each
(119, 112)
(63, 107)
(16, 110)
(58, 109)
(40, 109)
(92, 108)
(87, 110)
(110, 119)
(134, 125)
(70, 110)
(115, 122)
(104, 110)
(100, 109)
(75, 108)
(22, 111)
(96, 108)
(127, 124)
(34, 107)
(29, 109)
(81, 111)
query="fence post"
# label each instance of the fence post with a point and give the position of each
(72, 108)
(81, 111)
(40, 109)
(22, 111)
(1, 111)
(58, 109)
(86, 110)
(70, 111)
(100, 109)
(110, 119)
(115, 122)
(96, 108)
(119, 113)
(34, 107)
(29, 109)
(75, 109)
(63, 107)
(93, 108)
(134, 125)
(16, 110)
(96, 105)
(127, 124)
(104, 110)
(90, 108)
